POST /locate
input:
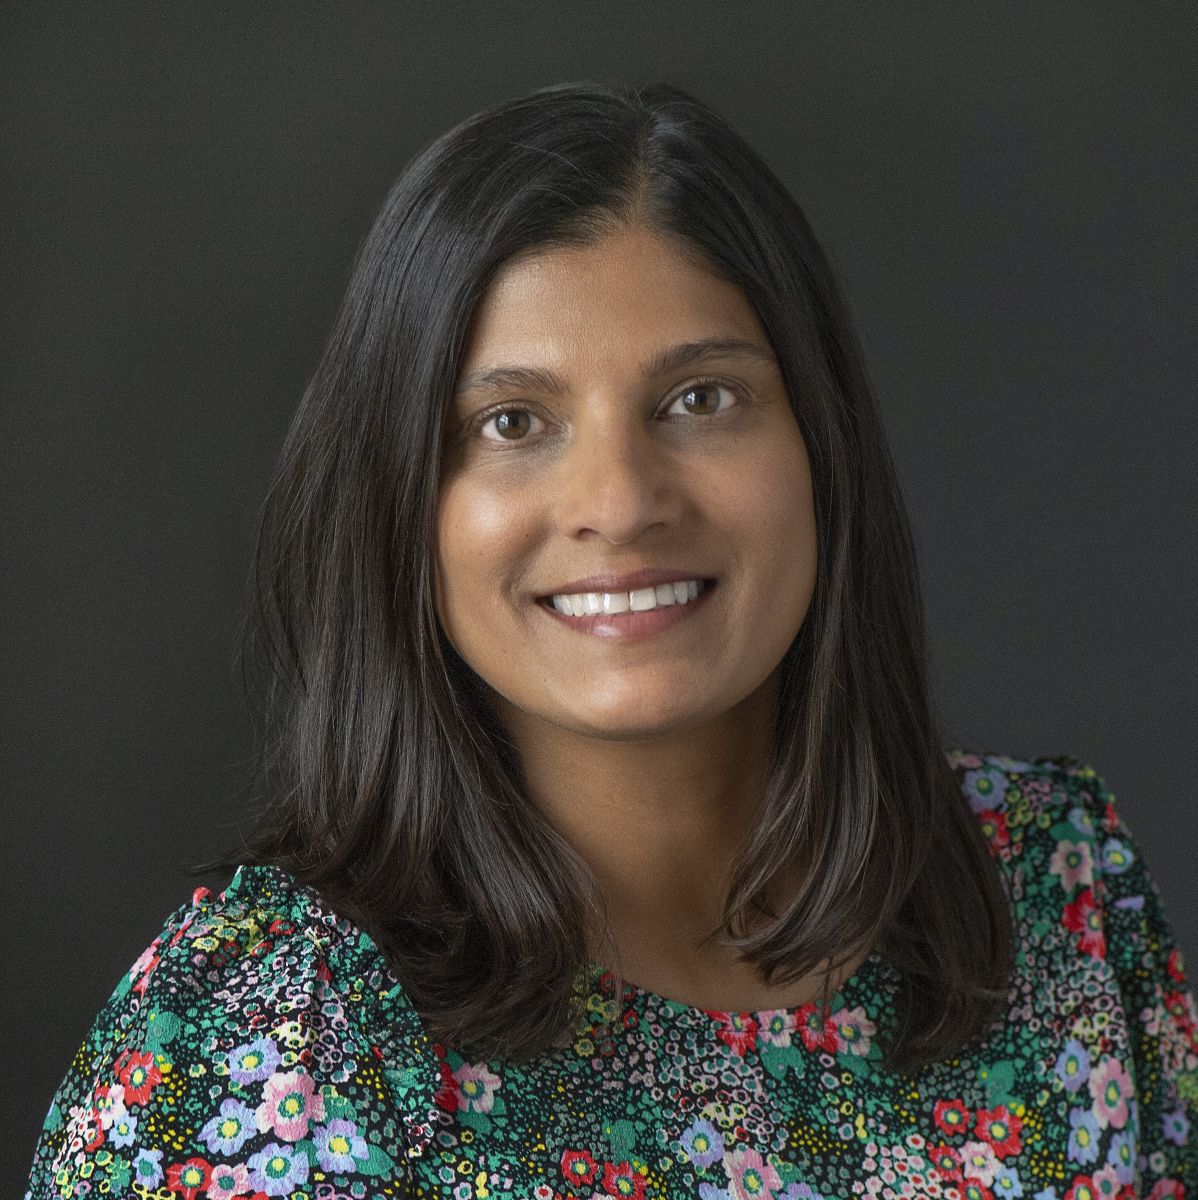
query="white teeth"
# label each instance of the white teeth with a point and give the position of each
(639, 600)
(643, 599)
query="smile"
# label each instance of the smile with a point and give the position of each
(632, 614)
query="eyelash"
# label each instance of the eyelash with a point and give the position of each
(476, 425)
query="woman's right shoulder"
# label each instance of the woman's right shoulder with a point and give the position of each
(258, 1039)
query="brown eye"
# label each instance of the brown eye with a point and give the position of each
(702, 398)
(512, 424)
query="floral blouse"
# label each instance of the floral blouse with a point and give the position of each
(261, 1047)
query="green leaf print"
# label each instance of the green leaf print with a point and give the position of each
(777, 1060)
(857, 1063)
(307, 1148)
(622, 1136)
(161, 1027)
(1067, 831)
(337, 1107)
(377, 1162)
(997, 1078)
(404, 1080)
(480, 1122)
(119, 1173)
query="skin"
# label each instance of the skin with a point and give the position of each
(648, 756)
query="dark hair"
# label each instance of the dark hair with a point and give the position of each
(390, 788)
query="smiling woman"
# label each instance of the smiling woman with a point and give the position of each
(609, 845)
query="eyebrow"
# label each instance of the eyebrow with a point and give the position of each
(673, 358)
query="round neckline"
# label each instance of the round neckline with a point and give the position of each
(642, 997)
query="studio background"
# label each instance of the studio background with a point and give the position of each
(1006, 194)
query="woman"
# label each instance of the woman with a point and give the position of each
(611, 849)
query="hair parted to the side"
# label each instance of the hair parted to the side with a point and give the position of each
(387, 786)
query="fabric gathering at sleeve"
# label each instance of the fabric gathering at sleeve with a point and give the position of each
(1141, 948)
(223, 1064)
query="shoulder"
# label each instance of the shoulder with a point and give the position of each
(257, 1039)
(1028, 806)
(1076, 874)
(1055, 813)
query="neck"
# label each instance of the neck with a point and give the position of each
(658, 820)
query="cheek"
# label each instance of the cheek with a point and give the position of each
(776, 512)
(480, 533)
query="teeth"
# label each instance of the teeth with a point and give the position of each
(640, 600)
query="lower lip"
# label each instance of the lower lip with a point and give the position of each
(631, 625)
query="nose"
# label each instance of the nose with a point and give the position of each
(617, 480)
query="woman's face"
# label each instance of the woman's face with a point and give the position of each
(623, 461)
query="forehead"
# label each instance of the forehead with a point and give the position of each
(633, 289)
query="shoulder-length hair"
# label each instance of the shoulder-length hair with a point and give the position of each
(390, 789)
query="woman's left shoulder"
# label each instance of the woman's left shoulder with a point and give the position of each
(1097, 948)
(1056, 806)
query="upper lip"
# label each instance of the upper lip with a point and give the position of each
(645, 577)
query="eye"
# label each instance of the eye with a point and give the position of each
(511, 424)
(707, 391)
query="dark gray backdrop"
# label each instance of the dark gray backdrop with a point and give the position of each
(1008, 196)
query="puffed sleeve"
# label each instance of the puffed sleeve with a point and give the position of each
(1157, 999)
(229, 1062)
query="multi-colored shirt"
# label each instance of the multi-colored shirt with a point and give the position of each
(261, 1046)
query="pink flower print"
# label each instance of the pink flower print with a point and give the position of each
(141, 970)
(978, 1161)
(1106, 1182)
(1111, 1087)
(1073, 863)
(289, 1102)
(110, 1104)
(476, 1087)
(750, 1176)
(228, 1180)
(854, 1031)
(774, 1027)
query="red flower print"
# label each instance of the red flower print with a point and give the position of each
(946, 1162)
(188, 1177)
(1083, 1189)
(579, 1167)
(951, 1116)
(92, 1132)
(1001, 1129)
(1175, 966)
(738, 1031)
(449, 1095)
(147, 969)
(1178, 1006)
(994, 827)
(973, 1190)
(623, 1181)
(1082, 916)
(1168, 1189)
(817, 1031)
(139, 1075)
